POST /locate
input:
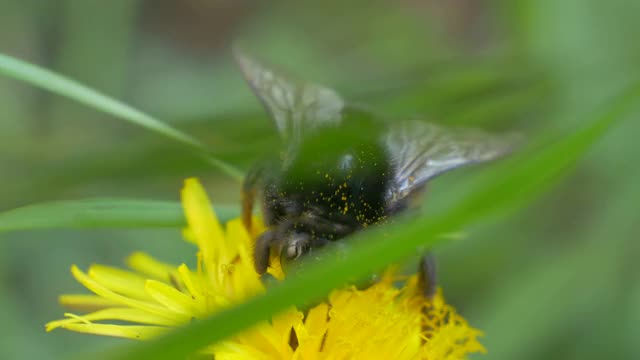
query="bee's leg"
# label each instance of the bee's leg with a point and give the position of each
(262, 251)
(428, 275)
(249, 195)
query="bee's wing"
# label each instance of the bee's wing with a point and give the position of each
(296, 107)
(419, 151)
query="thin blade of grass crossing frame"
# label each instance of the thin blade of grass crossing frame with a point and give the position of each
(101, 213)
(63, 86)
(526, 176)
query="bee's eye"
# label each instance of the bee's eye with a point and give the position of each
(293, 252)
(297, 246)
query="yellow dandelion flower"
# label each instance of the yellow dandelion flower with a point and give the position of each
(380, 322)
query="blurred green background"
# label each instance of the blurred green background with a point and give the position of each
(554, 280)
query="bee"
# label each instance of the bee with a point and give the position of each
(343, 170)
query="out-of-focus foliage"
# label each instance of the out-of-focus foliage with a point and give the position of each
(554, 280)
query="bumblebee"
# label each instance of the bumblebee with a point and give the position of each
(342, 169)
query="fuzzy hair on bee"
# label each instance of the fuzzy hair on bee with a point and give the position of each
(343, 169)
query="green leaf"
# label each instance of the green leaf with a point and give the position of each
(63, 86)
(520, 179)
(101, 213)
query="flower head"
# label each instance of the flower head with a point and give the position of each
(382, 321)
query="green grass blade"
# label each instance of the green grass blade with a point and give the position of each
(101, 213)
(63, 86)
(524, 177)
(66, 87)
